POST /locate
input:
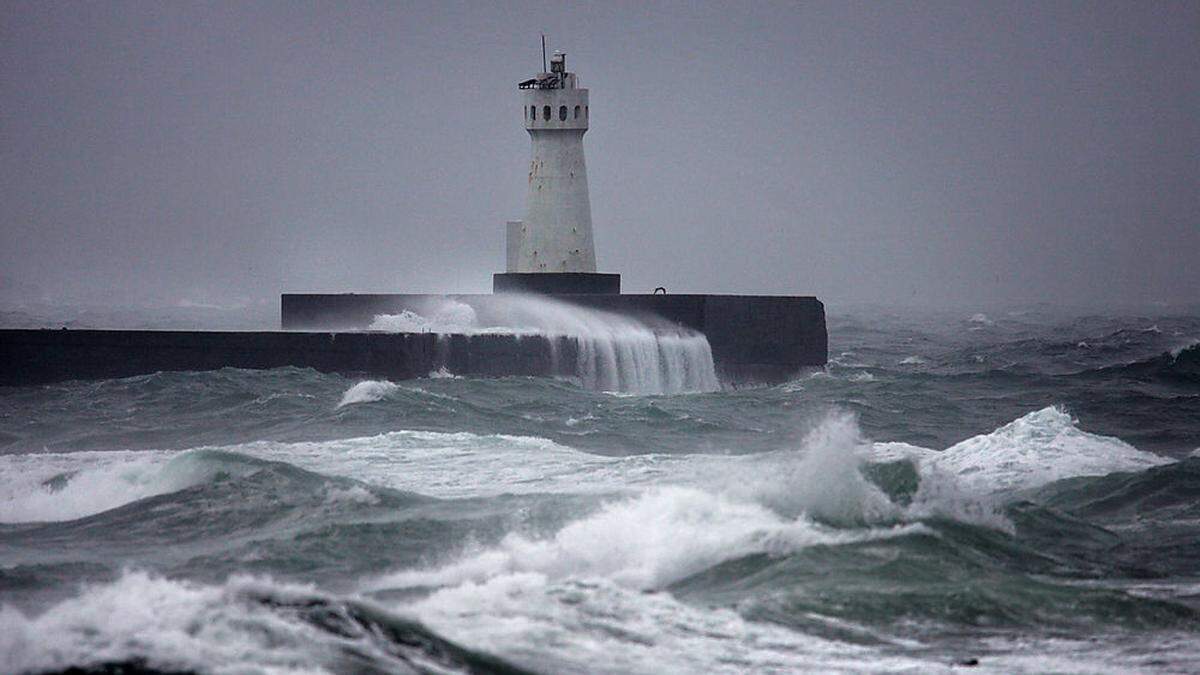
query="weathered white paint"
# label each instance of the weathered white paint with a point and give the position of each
(556, 235)
(514, 233)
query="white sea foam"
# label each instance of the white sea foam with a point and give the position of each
(595, 626)
(971, 482)
(692, 512)
(821, 478)
(648, 540)
(562, 598)
(599, 626)
(462, 464)
(981, 319)
(443, 316)
(171, 625)
(571, 597)
(66, 486)
(615, 352)
(912, 361)
(367, 391)
(1042, 447)
(974, 480)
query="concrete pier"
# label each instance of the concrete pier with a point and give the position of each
(29, 357)
(754, 338)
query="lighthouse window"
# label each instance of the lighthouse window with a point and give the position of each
(546, 112)
(585, 112)
(533, 112)
(576, 112)
(562, 113)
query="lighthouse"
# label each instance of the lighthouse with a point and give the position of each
(552, 250)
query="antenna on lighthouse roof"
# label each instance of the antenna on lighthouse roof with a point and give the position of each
(544, 53)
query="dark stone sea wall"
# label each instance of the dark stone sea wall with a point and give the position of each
(754, 338)
(556, 282)
(43, 356)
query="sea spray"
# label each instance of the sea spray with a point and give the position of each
(837, 477)
(822, 479)
(614, 352)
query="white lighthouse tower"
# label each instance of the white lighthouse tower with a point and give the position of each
(554, 241)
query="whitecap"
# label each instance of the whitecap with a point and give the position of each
(1039, 448)
(1180, 349)
(820, 479)
(648, 540)
(64, 486)
(367, 391)
(599, 626)
(981, 319)
(245, 625)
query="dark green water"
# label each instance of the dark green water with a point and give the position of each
(1018, 491)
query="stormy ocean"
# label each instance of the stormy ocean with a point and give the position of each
(1008, 491)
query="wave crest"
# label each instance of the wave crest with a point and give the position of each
(1039, 448)
(245, 625)
(367, 391)
(647, 541)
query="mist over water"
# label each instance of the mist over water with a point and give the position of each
(1013, 488)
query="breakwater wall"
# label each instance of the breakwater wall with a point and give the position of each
(44, 356)
(754, 338)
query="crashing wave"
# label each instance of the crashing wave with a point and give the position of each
(143, 622)
(614, 352)
(49, 487)
(646, 541)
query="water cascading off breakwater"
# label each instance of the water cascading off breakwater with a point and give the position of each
(613, 352)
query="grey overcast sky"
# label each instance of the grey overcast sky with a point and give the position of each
(159, 152)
